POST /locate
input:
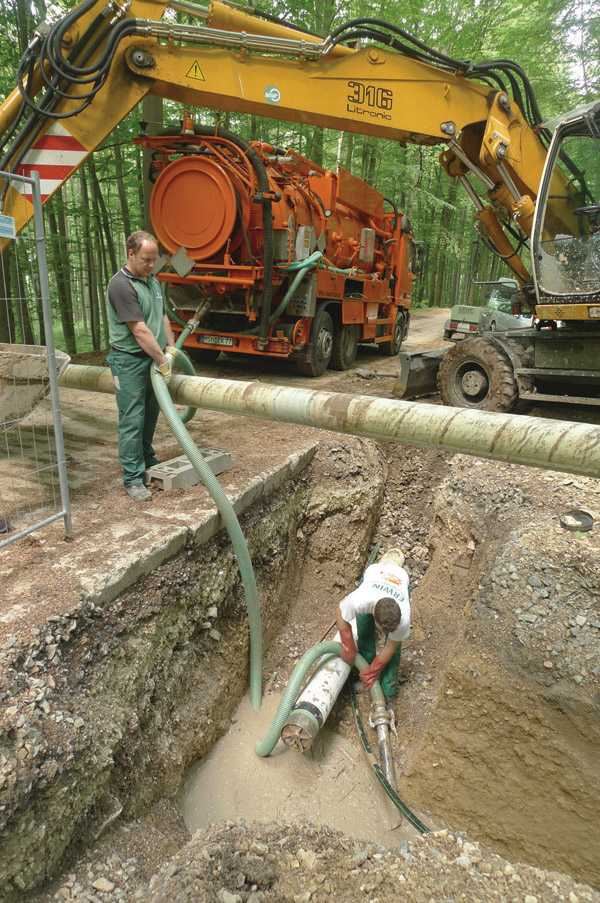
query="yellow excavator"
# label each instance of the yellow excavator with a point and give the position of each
(539, 182)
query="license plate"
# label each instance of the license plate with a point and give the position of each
(217, 340)
(465, 326)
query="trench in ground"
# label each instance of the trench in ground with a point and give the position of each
(482, 747)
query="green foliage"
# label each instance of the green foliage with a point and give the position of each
(557, 43)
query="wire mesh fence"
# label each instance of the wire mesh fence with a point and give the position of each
(33, 478)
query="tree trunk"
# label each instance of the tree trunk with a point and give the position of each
(90, 264)
(349, 151)
(7, 318)
(121, 190)
(23, 22)
(445, 229)
(315, 146)
(59, 255)
(22, 314)
(103, 280)
(152, 112)
(101, 213)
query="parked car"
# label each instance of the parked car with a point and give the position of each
(464, 320)
(500, 312)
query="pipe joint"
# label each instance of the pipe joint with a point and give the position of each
(382, 716)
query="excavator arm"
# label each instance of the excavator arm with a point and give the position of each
(81, 78)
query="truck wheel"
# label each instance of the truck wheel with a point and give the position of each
(391, 349)
(202, 355)
(345, 343)
(321, 345)
(477, 374)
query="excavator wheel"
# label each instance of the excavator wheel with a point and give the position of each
(345, 344)
(526, 358)
(477, 374)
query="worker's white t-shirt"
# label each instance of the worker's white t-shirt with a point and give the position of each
(380, 580)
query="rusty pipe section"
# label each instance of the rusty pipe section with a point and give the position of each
(536, 442)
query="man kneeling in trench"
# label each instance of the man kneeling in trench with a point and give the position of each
(382, 600)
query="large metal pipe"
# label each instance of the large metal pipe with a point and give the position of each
(536, 442)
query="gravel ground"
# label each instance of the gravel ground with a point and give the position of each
(240, 863)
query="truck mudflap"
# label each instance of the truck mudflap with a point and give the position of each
(418, 373)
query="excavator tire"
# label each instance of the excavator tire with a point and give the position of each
(526, 357)
(477, 374)
(345, 344)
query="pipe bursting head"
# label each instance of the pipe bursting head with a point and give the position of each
(300, 730)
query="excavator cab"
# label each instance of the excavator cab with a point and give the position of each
(566, 237)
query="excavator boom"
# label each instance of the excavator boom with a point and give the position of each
(96, 64)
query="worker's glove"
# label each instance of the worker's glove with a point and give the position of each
(348, 645)
(164, 369)
(171, 353)
(369, 675)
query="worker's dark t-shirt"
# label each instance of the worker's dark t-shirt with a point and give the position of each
(133, 300)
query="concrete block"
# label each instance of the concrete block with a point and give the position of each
(179, 473)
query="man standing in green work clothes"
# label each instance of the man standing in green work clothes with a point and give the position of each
(139, 330)
(382, 600)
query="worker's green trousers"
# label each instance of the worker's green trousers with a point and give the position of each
(138, 412)
(367, 646)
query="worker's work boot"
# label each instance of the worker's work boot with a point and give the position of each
(138, 492)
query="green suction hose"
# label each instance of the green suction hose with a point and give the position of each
(233, 528)
(264, 747)
(188, 368)
(300, 267)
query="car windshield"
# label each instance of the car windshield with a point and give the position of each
(501, 300)
(568, 261)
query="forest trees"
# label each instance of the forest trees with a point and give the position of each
(555, 41)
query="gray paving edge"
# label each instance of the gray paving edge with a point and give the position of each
(101, 588)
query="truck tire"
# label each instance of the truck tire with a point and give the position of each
(345, 344)
(202, 355)
(391, 349)
(320, 345)
(477, 374)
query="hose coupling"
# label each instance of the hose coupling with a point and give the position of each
(381, 715)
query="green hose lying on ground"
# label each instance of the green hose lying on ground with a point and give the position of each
(232, 525)
(264, 747)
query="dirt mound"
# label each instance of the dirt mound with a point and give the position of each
(242, 863)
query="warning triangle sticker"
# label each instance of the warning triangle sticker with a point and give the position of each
(195, 72)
